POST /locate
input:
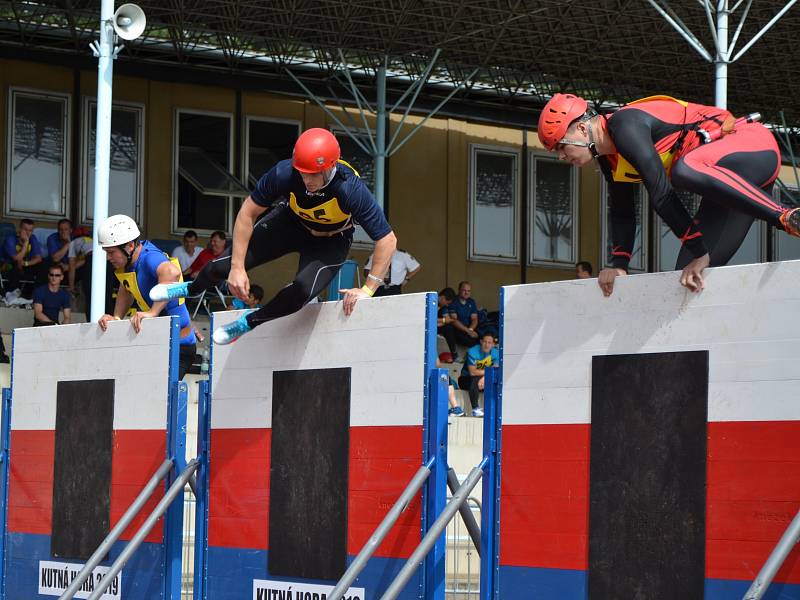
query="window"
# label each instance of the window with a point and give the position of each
(638, 262)
(362, 162)
(126, 160)
(785, 246)
(751, 250)
(268, 142)
(37, 167)
(553, 212)
(493, 204)
(203, 158)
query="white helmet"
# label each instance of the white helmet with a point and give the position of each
(117, 230)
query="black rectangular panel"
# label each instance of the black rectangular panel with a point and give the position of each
(308, 473)
(82, 467)
(648, 476)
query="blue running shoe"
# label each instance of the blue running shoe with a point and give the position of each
(169, 291)
(456, 411)
(232, 331)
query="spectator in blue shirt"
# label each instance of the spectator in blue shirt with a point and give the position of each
(465, 311)
(58, 243)
(444, 321)
(24, 256)
(479, 358)
(50, 299)
(253, 299)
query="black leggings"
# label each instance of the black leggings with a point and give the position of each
(734, 175)
(275, 235)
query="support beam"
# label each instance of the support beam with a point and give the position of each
(105, 73)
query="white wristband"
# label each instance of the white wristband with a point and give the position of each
(376, 279)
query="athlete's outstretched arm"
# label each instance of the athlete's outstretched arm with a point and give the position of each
(238, 282)
(381, 258)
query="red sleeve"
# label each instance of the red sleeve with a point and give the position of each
(201, 261)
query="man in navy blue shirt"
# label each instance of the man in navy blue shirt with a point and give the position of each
(320, 200)
(58, 243)
(50, 299)
(465, 311)
(24, 254)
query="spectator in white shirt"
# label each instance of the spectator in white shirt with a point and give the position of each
(187, 252)
(404, 267)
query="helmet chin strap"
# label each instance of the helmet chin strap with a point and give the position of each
(127, 254)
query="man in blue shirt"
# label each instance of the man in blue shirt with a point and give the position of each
(479, 358)
(465, 313)
(320, 200)
(58, 243)
(49, 300)
(139, 265)
(24, 255)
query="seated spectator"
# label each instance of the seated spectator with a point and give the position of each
(403, 267)
(583, 270)
(444, 325)
(23, 254)
(479, 358)
(216, 246)
(58, 243)
(464, 316)
(453, 408)
(80, 270)
(253, 300)
(50, 299)
(188, 252)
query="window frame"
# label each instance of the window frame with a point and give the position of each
(175, 229)
(66, 200)
(531, 200)
(605, 226)
(86, 170)
(516, 154)
(246, 138)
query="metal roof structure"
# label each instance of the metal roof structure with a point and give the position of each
(609, 51)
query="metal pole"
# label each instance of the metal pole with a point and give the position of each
(105, 74)
(789, 539)
(375, 540)
(175, 489)
(465, 512)
(380, 137)
(412, 564)
(721, 59)
(103, 549)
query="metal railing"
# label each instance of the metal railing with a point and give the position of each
(463, 565)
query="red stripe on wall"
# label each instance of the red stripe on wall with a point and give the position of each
(135, 457)
(382, 462)
(238, 502)
(30, 485)
(753, 492)
(544, 506)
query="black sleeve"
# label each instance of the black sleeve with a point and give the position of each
(632, 136)
(621, 205)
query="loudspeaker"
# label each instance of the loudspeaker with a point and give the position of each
(129, 21)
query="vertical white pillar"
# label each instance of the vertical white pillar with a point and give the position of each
(105, 73)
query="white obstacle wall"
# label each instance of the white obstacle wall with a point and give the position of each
(748, 316)
(43, 356)
(383, 342)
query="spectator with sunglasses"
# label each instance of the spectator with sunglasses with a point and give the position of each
(50, 299)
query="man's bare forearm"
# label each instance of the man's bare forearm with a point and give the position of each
(382, 258)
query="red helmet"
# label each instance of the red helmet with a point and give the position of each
(557, 114)
(316, 150)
